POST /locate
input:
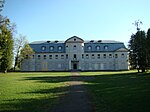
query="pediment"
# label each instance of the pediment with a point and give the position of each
(74, 39)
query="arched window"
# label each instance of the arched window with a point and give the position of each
(106, 47)
(43, 48)
(89, 48)
(97, 47)
(59, 47)
(51, 48)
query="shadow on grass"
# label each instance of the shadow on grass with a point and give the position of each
(116, 93)
(38, 104)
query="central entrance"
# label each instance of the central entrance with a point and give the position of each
(75, 66)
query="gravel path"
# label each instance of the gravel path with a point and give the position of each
(76, 100)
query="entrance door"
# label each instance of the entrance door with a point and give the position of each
(75, 66)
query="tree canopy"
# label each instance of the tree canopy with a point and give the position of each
(6, 45)
(139, 47)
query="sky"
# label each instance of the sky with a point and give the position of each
(88, 19)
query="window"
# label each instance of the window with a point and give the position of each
(82, 56)
(33, 56)
(44, 56)
(104, 55)
(39, 57)
(59, 47)
(74, 47)
(93, 56)
(89, 48)
(51, 48)
(26, 57)
(74, 56)
(98, 56)
(122, 55)
(110, 55)
(50, 56)
(74, 39)
(43, 48)
(56, 56)
(116, 55)
(66, 47)
(97, 47)
(62, 56)
(66, 56)
(105, 47)
(87, 56)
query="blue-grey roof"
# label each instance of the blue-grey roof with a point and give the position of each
(102, 47)
(37, 46)
(89, 46)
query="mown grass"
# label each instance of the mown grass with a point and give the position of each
(125, 91)
(30, 92)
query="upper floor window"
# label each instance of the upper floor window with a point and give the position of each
(93, 56)
(66, 56)
(82, 56)
(106, 47)
(43, 48)
(33, 56)
(89, 47)
(116, 55)
(56, 56)
(87, 56)
(50, 56)
(110, 55)
(74, 47)
(51, 48)
(104, 55)
(59, 47)
(74, 39)
(62, 56)
(39, 56)
(98, 56)
(97, 47)
(44, 56)
(122, 55)
(74, 56)
(26, 57)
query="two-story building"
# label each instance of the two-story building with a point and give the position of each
(76, 54)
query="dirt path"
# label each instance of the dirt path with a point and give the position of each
(76, 100)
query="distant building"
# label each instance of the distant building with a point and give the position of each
(77, 54)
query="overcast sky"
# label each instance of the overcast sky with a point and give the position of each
(87, 19)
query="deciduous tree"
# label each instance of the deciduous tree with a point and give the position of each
(19, 43)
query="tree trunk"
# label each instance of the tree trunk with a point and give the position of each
(143, 69)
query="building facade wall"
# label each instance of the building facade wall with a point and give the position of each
(76, 55)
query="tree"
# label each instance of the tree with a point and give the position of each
(1, 4)
(6, 46)
(137, 55)
(137, 24)
(148, 47)
(25, 53)
(1, 7)
(19, 43)
(1, 20)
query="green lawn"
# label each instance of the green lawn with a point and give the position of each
(124, 91)
(119, 91)
(30, 92)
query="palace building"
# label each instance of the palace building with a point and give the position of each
(76, 54)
